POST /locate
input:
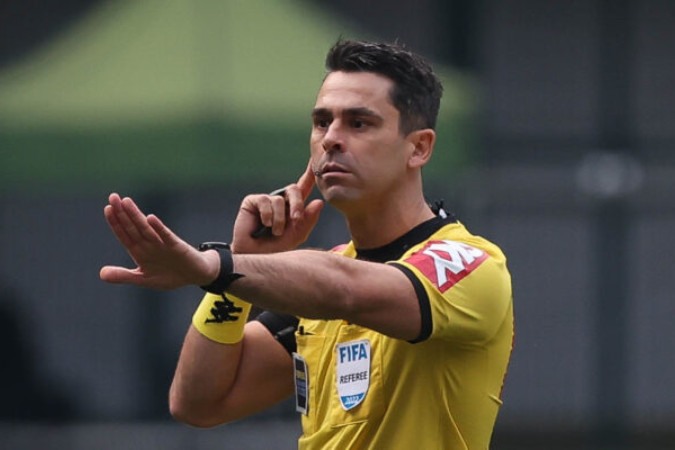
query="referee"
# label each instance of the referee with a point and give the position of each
(398, 339)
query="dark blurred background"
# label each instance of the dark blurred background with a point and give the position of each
(556, 140)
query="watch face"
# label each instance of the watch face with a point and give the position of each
(212, 246)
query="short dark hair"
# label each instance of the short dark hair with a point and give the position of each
(417, 90)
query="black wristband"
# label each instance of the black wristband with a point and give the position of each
(226, 275)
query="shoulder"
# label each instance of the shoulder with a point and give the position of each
(451, 254)
(463, 279)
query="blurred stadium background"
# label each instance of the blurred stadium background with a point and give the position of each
(557, 140)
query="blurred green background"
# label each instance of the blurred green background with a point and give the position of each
(144, 94)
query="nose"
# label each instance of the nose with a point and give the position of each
(333, 139)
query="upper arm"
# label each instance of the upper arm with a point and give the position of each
(448, 289)
(384, 300)
(465, 293)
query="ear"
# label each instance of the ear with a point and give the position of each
(422, 146)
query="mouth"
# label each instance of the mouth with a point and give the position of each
(331, 168)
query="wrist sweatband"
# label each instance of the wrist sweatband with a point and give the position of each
(226, 275)
(221, 318)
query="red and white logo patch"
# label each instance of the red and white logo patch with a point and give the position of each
(446, 263)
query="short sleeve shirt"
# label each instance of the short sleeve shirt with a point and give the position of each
(366, 390)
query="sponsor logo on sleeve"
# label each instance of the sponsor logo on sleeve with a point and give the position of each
(446, 263)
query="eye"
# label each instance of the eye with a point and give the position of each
(320, 122)
(358, 123)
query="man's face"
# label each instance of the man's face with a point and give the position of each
(356, 144)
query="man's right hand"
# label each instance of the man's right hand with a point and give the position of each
(164, 260)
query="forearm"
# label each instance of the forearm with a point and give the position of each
(204, 376)
(323, 285)
(305, 283)
(218, 383)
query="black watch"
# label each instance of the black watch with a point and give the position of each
(226, 275)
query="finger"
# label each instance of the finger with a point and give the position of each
(114, 197)
(139, 221)
(124, 222)
(298, 193)
(296, 202)
(303, 228)
(115, 201)
(165, 234)
(312, 213)
(265, 210)
(271, 209)
(306, 181)
(278, 204)
(116, 227)
(114, 204)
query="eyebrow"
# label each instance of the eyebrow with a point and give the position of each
(357, 111)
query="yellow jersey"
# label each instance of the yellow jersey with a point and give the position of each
(359, 389)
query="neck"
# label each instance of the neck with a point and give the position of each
(386, 222)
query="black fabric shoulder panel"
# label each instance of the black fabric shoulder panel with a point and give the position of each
(282, 327)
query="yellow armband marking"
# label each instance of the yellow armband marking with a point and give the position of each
(221, 318)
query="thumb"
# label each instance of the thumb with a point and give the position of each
(119, 275)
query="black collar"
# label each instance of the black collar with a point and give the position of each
(395, 249)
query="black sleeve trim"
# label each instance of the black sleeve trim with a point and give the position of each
(423, 299)
(282, 327)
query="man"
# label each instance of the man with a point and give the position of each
(399, 339)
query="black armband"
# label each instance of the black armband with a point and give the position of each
(282, 327)
(226, 275)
